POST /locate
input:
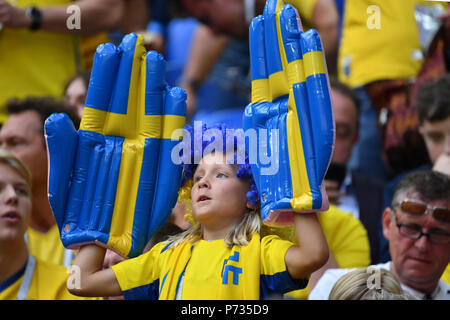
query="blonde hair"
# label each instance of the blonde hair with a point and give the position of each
(240, 235)
(356, 285)
(6, 157)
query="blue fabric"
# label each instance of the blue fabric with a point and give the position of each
(366, 157)
(178, 43)
(147, 292)
(228, 85)
(281, 282)
(156, 27)
(119, 99)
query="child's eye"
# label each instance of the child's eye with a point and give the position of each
(22, 191)
(197, 179)
(221, 175)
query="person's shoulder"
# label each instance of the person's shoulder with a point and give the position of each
(323, 287)
(51, 281)
(444, 293)
(50, 268)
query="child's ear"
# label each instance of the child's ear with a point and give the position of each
(386, 222)
(251, 206)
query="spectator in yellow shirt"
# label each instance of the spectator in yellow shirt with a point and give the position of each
(22, 276)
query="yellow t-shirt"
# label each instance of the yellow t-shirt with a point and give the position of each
(379, 41)
(446, 275)
(305, 9)
(35, 63)
(46, 282)
(210, 269)
(347, 240)
(40, 63)
(48, 246)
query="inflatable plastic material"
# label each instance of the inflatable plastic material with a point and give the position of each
(112, 182)
(291, 101)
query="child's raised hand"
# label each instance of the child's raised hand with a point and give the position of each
(291, 100)
(113, 181)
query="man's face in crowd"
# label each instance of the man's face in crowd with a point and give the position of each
(346, 120)
(222, 16)
(437, 137)
(22, 134)
(419, 263)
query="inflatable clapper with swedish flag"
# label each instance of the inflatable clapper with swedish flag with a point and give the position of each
(112, 182)
(290, 96)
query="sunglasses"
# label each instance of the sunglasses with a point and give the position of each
(419, 208)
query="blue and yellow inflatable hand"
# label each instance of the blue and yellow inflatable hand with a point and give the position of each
(112, 182)
(291, 102)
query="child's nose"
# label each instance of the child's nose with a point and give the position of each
(203, 183)
(9, 194)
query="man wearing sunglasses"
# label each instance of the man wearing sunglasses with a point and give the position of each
(417, 226)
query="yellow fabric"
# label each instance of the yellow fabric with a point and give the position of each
(305, 9)
(48, 283)
(347, 239)
(46, 246)
(127, 188)
(88, 45)
(230, 273)
(39, 63)
(446, 275)
(95, 120)
(372, 54)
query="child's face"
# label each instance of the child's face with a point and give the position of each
(15, 204)
(218, 195)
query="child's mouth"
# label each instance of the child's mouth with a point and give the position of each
(203, 198)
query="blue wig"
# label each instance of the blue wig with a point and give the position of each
(197, 151)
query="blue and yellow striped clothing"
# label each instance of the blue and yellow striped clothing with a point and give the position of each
(45, 281)
(211, 271)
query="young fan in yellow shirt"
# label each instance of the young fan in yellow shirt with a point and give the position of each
(222, 256)
(22, 276)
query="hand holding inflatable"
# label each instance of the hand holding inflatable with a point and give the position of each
(113, 182)
(291, 104)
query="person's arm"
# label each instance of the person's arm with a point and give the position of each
(325, 19)
(333, 192)
(95, 16)
(206, 48)
(312, 252)
(316, 275)
(94, 280)
(135, 16)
